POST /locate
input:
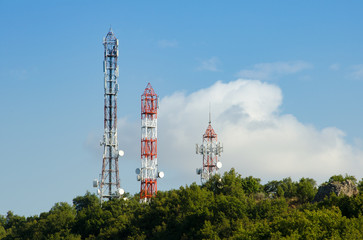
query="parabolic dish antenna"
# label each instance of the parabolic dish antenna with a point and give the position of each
(121, 191)
(121, 153)
(161, 174)
(219, 165)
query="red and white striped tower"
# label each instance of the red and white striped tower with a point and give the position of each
(211, 149)
(148, 173)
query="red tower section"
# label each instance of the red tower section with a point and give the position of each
(210, 160)
(148, 173)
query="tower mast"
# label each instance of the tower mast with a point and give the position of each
(211, 149)
(109, 185)
(148, 173)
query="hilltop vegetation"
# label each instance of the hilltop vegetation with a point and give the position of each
(232, 207)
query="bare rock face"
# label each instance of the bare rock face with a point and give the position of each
(347, 188)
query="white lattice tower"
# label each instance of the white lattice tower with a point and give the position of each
(109, 184)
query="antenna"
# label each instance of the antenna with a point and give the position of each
(148, 173)
(210, 149)
(210, 118)
(109, 184)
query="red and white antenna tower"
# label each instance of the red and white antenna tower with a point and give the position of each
(211, 149)
(148, 173)
(109, 184)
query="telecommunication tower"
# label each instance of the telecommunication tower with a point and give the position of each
(148, 173)
(109, 184)
(211, 149)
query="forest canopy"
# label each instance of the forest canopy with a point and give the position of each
(225, 207)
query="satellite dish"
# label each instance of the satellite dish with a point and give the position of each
(198, 171)
(219, 165)
(121, 153)
(137, 170)
(120, 191)
(161, 174)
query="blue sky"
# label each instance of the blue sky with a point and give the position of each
(299, 65)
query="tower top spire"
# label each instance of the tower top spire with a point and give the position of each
(149, 90)
(210, 118)
(110, 38)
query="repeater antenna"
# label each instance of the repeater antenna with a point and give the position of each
(211, 150)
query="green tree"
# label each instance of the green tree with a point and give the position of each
(349, 206)
(57, 223)
(251, 185)
(340, 178)
(306, 190)
(289, 187)
(229, 184)
(2, 227)
(360, 186)
(88, 220)
(223, 208)
(14, 226)
(83, 202)
(208, 232)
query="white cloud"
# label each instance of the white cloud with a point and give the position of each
(357, 72)
(167, 43)
(266, 71)
(210, 64)
(334, 67)
(258, 139)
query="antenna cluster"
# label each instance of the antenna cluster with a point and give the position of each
(108, 185)
(211, 149)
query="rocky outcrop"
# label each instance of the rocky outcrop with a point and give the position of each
(346, 187)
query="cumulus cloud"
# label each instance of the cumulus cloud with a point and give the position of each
(167, 43)
(210, 64)
(357, 71)
(267, 71)
(258, 139)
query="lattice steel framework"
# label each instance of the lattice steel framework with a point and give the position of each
(148, 173)
(211, 149)
(109, 186)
